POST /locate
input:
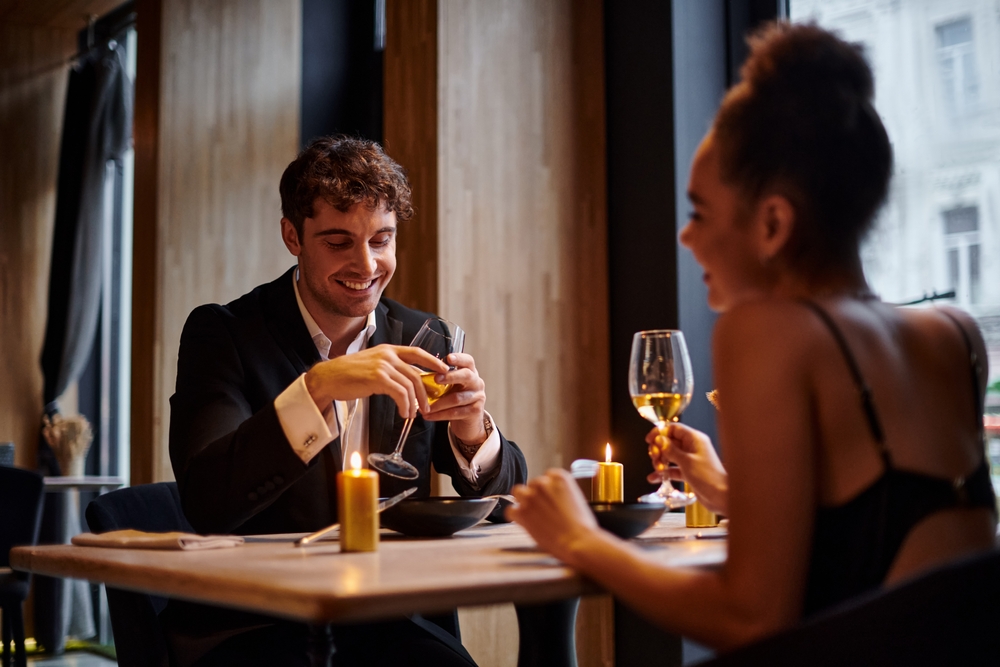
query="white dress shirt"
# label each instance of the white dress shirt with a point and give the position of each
(309, 429)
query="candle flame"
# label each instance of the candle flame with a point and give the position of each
(607, 453)
(355, 461)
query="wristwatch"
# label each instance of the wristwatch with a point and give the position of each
(468, 451)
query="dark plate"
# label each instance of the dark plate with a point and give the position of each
(626, 519)
(436, 517)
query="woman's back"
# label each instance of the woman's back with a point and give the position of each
(901, 477)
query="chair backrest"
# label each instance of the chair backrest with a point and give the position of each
(21, 494)
(949, 616)
(152, 508)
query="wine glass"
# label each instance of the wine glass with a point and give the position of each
(661, 382)
(440, 338)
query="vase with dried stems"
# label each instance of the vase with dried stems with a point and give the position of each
(69, 437)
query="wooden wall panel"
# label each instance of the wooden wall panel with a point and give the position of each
(522, 248)
(228, 113)
(33, 74)
(410, 137)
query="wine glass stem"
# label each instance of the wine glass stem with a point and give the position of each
(666, 486)
(398, 453)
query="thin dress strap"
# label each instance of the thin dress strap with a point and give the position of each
(977, 370)
(867, 404)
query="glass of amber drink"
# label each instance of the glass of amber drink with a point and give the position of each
(440, 338)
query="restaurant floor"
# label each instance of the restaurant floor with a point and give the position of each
(693, 653)
(74, 659)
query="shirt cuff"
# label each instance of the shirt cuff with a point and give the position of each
(303, 423)
(484, 461)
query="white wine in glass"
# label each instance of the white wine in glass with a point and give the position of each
(661, 383)
(660, 407)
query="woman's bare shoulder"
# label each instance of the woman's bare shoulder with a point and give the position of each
(947, 324)
(774, 323)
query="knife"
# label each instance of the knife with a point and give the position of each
(384, 505)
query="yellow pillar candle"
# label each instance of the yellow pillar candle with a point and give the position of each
(357, 500)
(697, 515)
(609, 487)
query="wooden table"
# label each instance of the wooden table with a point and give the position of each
(318, 585)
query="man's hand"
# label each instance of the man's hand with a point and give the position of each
(465, 404)
(383, 369)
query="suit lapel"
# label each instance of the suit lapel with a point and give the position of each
(381, 408)
(284, 321)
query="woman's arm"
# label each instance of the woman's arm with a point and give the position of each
(762, 365)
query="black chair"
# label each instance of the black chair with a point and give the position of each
(21, 494)
(153, 508)
(949, 616)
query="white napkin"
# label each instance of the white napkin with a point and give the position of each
(136, 539)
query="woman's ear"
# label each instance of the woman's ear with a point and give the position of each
(776, 221)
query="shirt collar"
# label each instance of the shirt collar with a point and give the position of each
(320, 339)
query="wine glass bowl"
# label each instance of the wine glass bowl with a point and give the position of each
(439, 338)
(661, 382)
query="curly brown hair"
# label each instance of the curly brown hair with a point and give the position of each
(801, 122)
(343, 171)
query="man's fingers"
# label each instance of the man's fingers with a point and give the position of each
(453, 414)
(419, 357)
(462, 360)
(457, 399)
(419, 390)
(463, 377)
(401, 390)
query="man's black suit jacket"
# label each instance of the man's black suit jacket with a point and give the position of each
(235, 469)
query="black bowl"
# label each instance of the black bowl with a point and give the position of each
(627, 519)
(436, 517)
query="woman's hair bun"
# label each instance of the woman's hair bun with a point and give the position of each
(801, 122)
(807, 59)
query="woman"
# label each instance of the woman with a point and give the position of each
(852, 429)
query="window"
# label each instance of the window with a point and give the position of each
(961, 242)
(956, 61)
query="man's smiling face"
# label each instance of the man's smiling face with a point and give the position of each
(345, 259)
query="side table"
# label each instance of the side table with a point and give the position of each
(53, 596)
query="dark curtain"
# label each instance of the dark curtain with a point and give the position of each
(97, 128)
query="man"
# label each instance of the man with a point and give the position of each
(268, 384)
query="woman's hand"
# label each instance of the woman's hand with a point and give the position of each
(553, 510)
(696, 462)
